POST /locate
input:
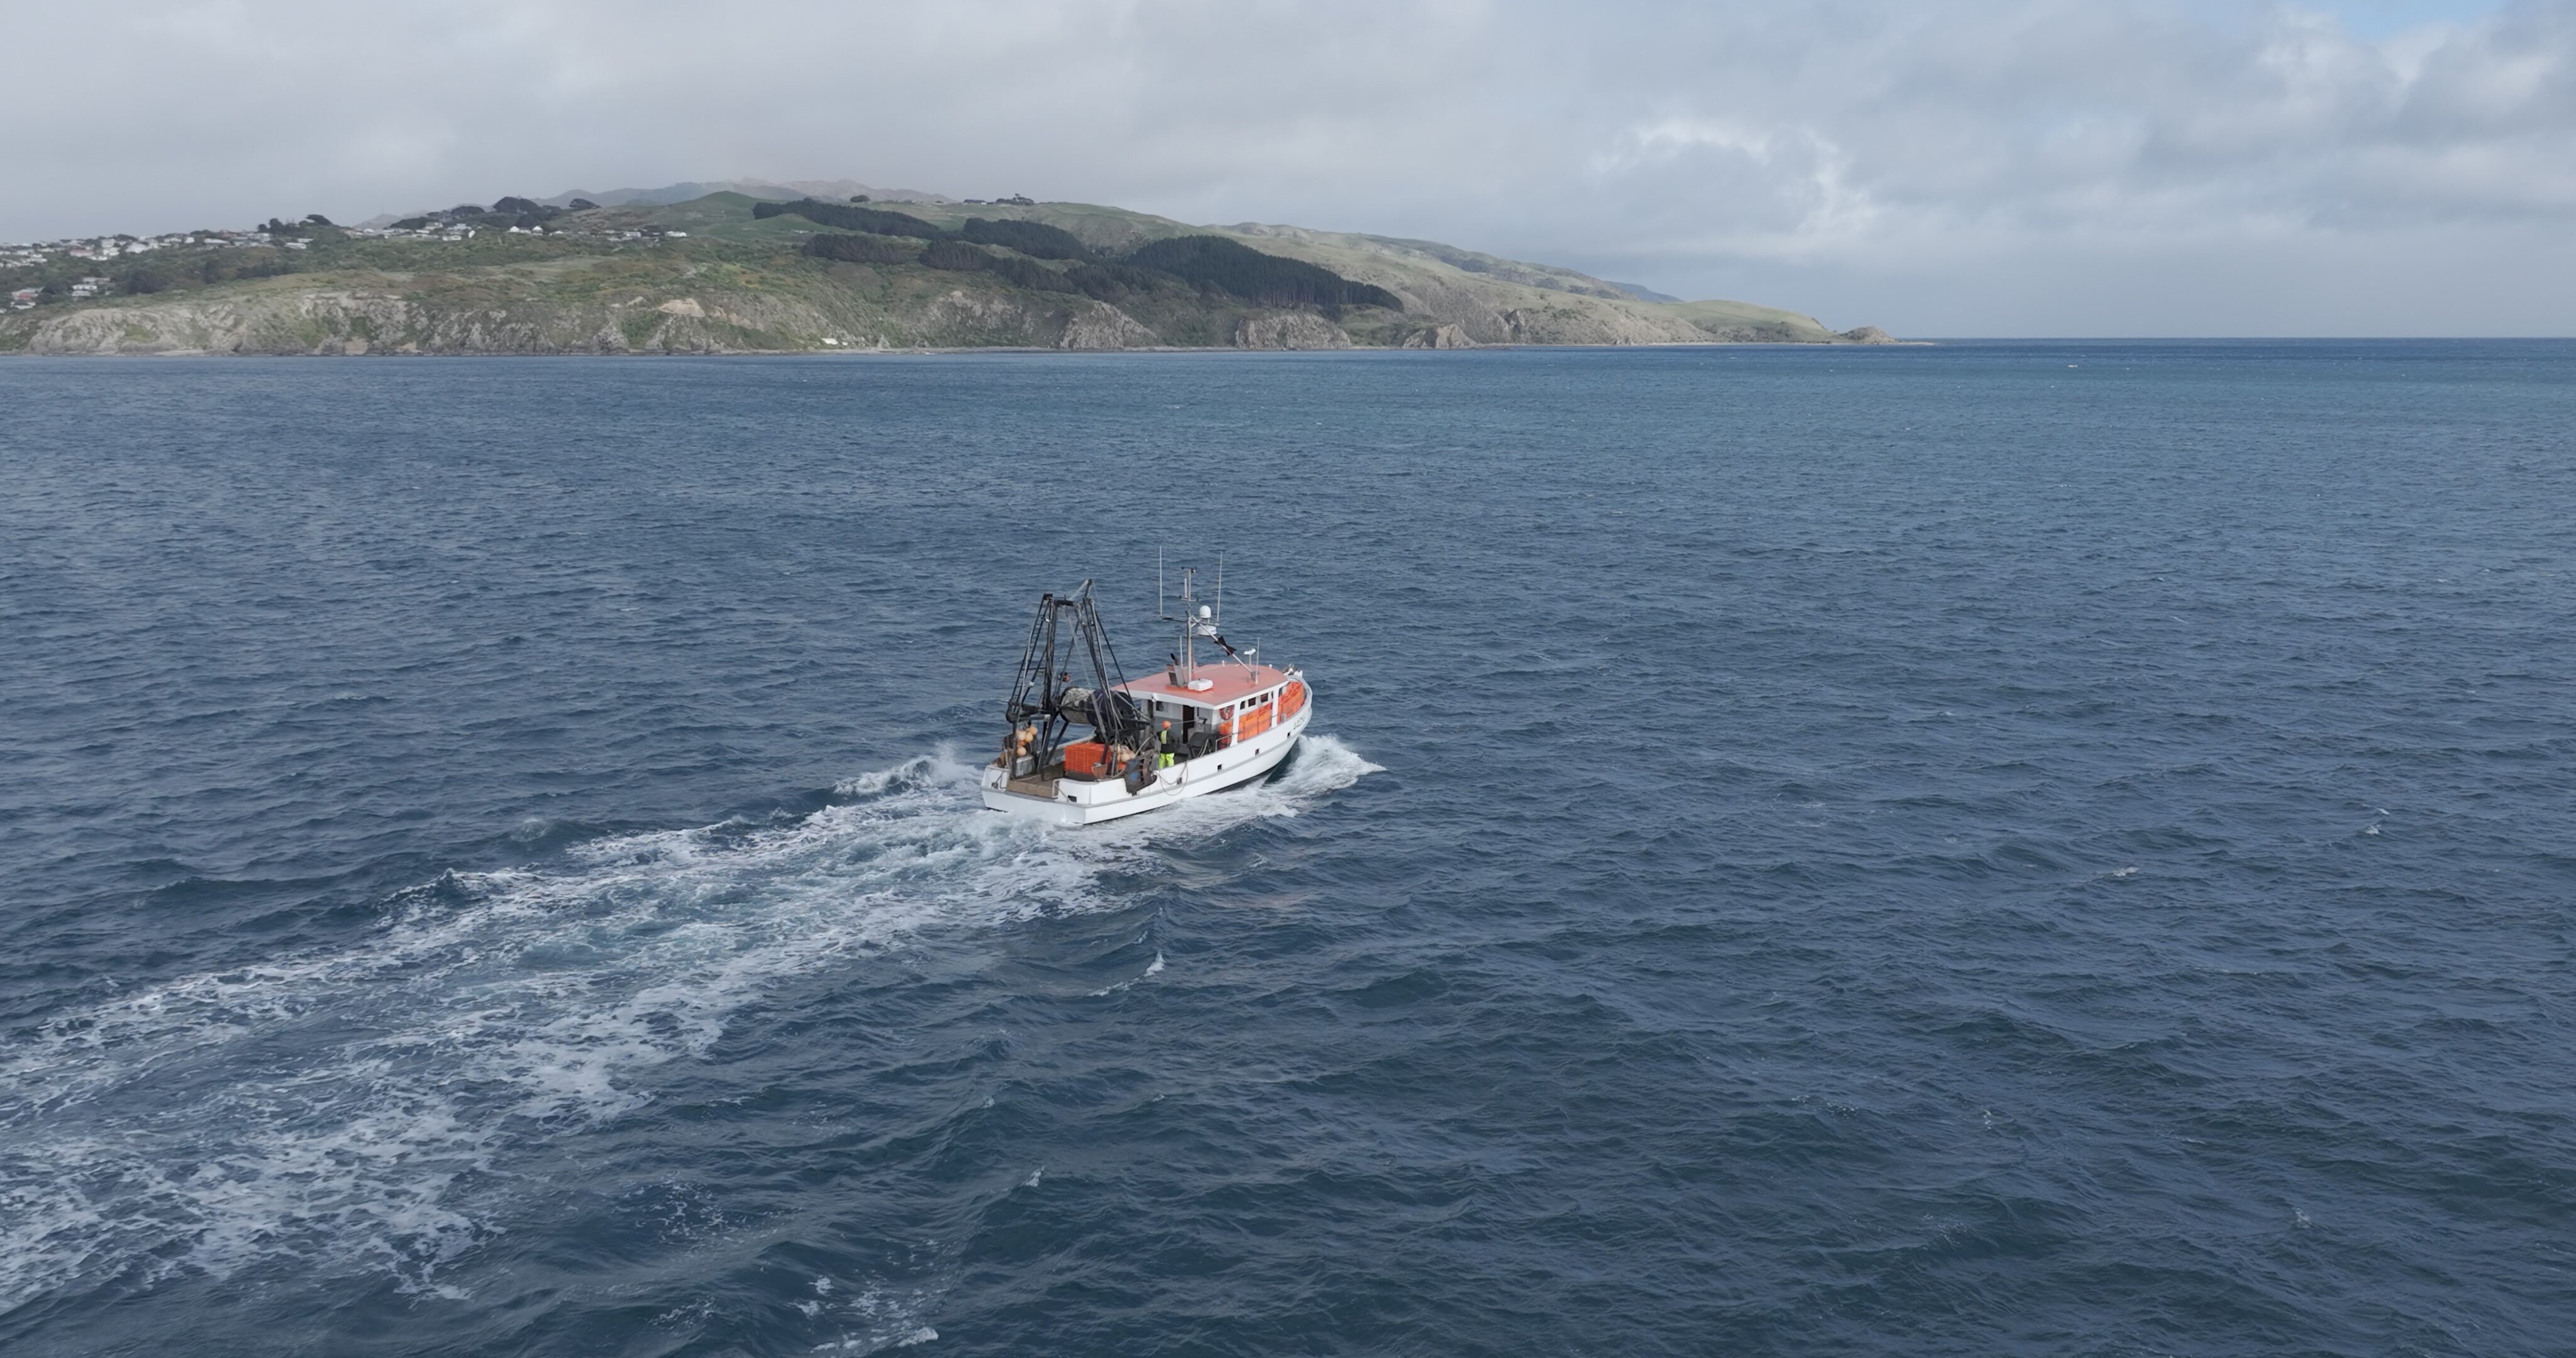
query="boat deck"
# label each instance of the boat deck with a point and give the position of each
(1038, 785)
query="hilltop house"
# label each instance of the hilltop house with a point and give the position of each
(23, 298)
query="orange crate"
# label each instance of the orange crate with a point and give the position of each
(1086, 759)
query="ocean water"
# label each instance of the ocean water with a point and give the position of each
(1983, 849)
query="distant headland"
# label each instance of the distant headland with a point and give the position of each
(827, 266)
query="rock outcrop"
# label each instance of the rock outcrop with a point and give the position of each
(1098, 325)
(1438, 337)
(1289, 330)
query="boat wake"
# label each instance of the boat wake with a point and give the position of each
(356, 1109)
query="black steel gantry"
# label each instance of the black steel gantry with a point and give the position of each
(1067, 640)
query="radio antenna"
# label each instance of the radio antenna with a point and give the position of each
(1159, 610)
(1219, 619)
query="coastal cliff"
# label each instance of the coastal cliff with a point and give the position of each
(725, 273)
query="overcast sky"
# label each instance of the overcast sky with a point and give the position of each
(2021, 167)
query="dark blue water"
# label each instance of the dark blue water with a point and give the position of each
(2031, 849)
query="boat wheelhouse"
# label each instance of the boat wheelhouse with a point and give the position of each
(1087, 744)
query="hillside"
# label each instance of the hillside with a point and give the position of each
(708, 275)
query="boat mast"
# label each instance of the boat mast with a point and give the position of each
(1189, 625)
(1196, 620)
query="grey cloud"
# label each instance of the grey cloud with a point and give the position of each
(2034, 165)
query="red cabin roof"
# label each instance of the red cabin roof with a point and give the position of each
(1231, 683)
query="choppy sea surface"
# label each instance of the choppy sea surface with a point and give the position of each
(1987, 849)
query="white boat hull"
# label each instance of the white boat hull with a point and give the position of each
(1080, 802)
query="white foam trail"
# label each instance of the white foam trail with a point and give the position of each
(338, 1108)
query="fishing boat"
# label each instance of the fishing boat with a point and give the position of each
(1087, 744)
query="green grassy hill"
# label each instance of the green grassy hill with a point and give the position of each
(708, 276)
